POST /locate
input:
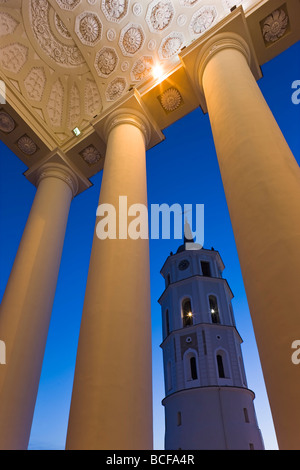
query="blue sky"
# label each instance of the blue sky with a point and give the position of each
(183, 169)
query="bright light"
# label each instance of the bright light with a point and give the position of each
(76, 131)
(212, 310)
(157, 71)
(190, 314)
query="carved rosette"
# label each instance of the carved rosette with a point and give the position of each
(171, 45)
(170, 99)
(7, 124)
(115, 89)
(131, 39)
(203, 19)
(106, 61)
(27, 145)
(91, 155)
(159, 15)
(142, 68)
(114, 10)
(68, 4)
(88, 28)
(275, 26)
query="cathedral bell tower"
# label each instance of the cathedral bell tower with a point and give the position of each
(208, 405)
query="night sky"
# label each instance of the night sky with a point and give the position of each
(183, 169)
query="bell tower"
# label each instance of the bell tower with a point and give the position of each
(208, 405)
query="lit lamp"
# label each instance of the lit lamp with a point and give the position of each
(76, 131)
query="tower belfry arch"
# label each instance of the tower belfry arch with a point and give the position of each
(81, 98)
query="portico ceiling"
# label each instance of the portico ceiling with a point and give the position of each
(65, 63)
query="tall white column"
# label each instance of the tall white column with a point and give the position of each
(27, 302)
(262, 185)
(111, 404)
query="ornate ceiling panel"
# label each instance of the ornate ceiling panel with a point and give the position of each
(67, 63)
(70, 59)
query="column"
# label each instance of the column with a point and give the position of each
(27, 302)
(262, 185)
(111, 405)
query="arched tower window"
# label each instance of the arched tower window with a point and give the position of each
(190, 364)
(167, 323)
(187, 315)
(214, 309)
(222, 365)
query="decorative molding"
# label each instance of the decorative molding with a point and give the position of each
(61, 28)
(170, 99)
(7, 124)
(27, 145)
(215, 44)
(74, 107)
(115, 89)
(8, 24)
(111, 34)
(188, 3)
(68, 4)
(90, 155)
(128, 116)
(137, 9)
(13, 57)
(88, 28)
(55, 103)
(57, 170)
(93, 103)
(275, 25)
(203, 19)
(34, 83)
(159, 15)
(63, 54)
(114, 10)
(132, 38)
(106, 61)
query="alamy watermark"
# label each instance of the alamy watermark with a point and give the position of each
(132, 221)
(296, 94)
(296, 354)
(2, 92)
(2, 352)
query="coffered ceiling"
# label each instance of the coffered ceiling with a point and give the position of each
(67, 62)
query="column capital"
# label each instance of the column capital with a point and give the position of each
(57, 170)
(128, 116)
(216, 44)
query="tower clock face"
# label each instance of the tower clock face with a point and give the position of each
(184, 264)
